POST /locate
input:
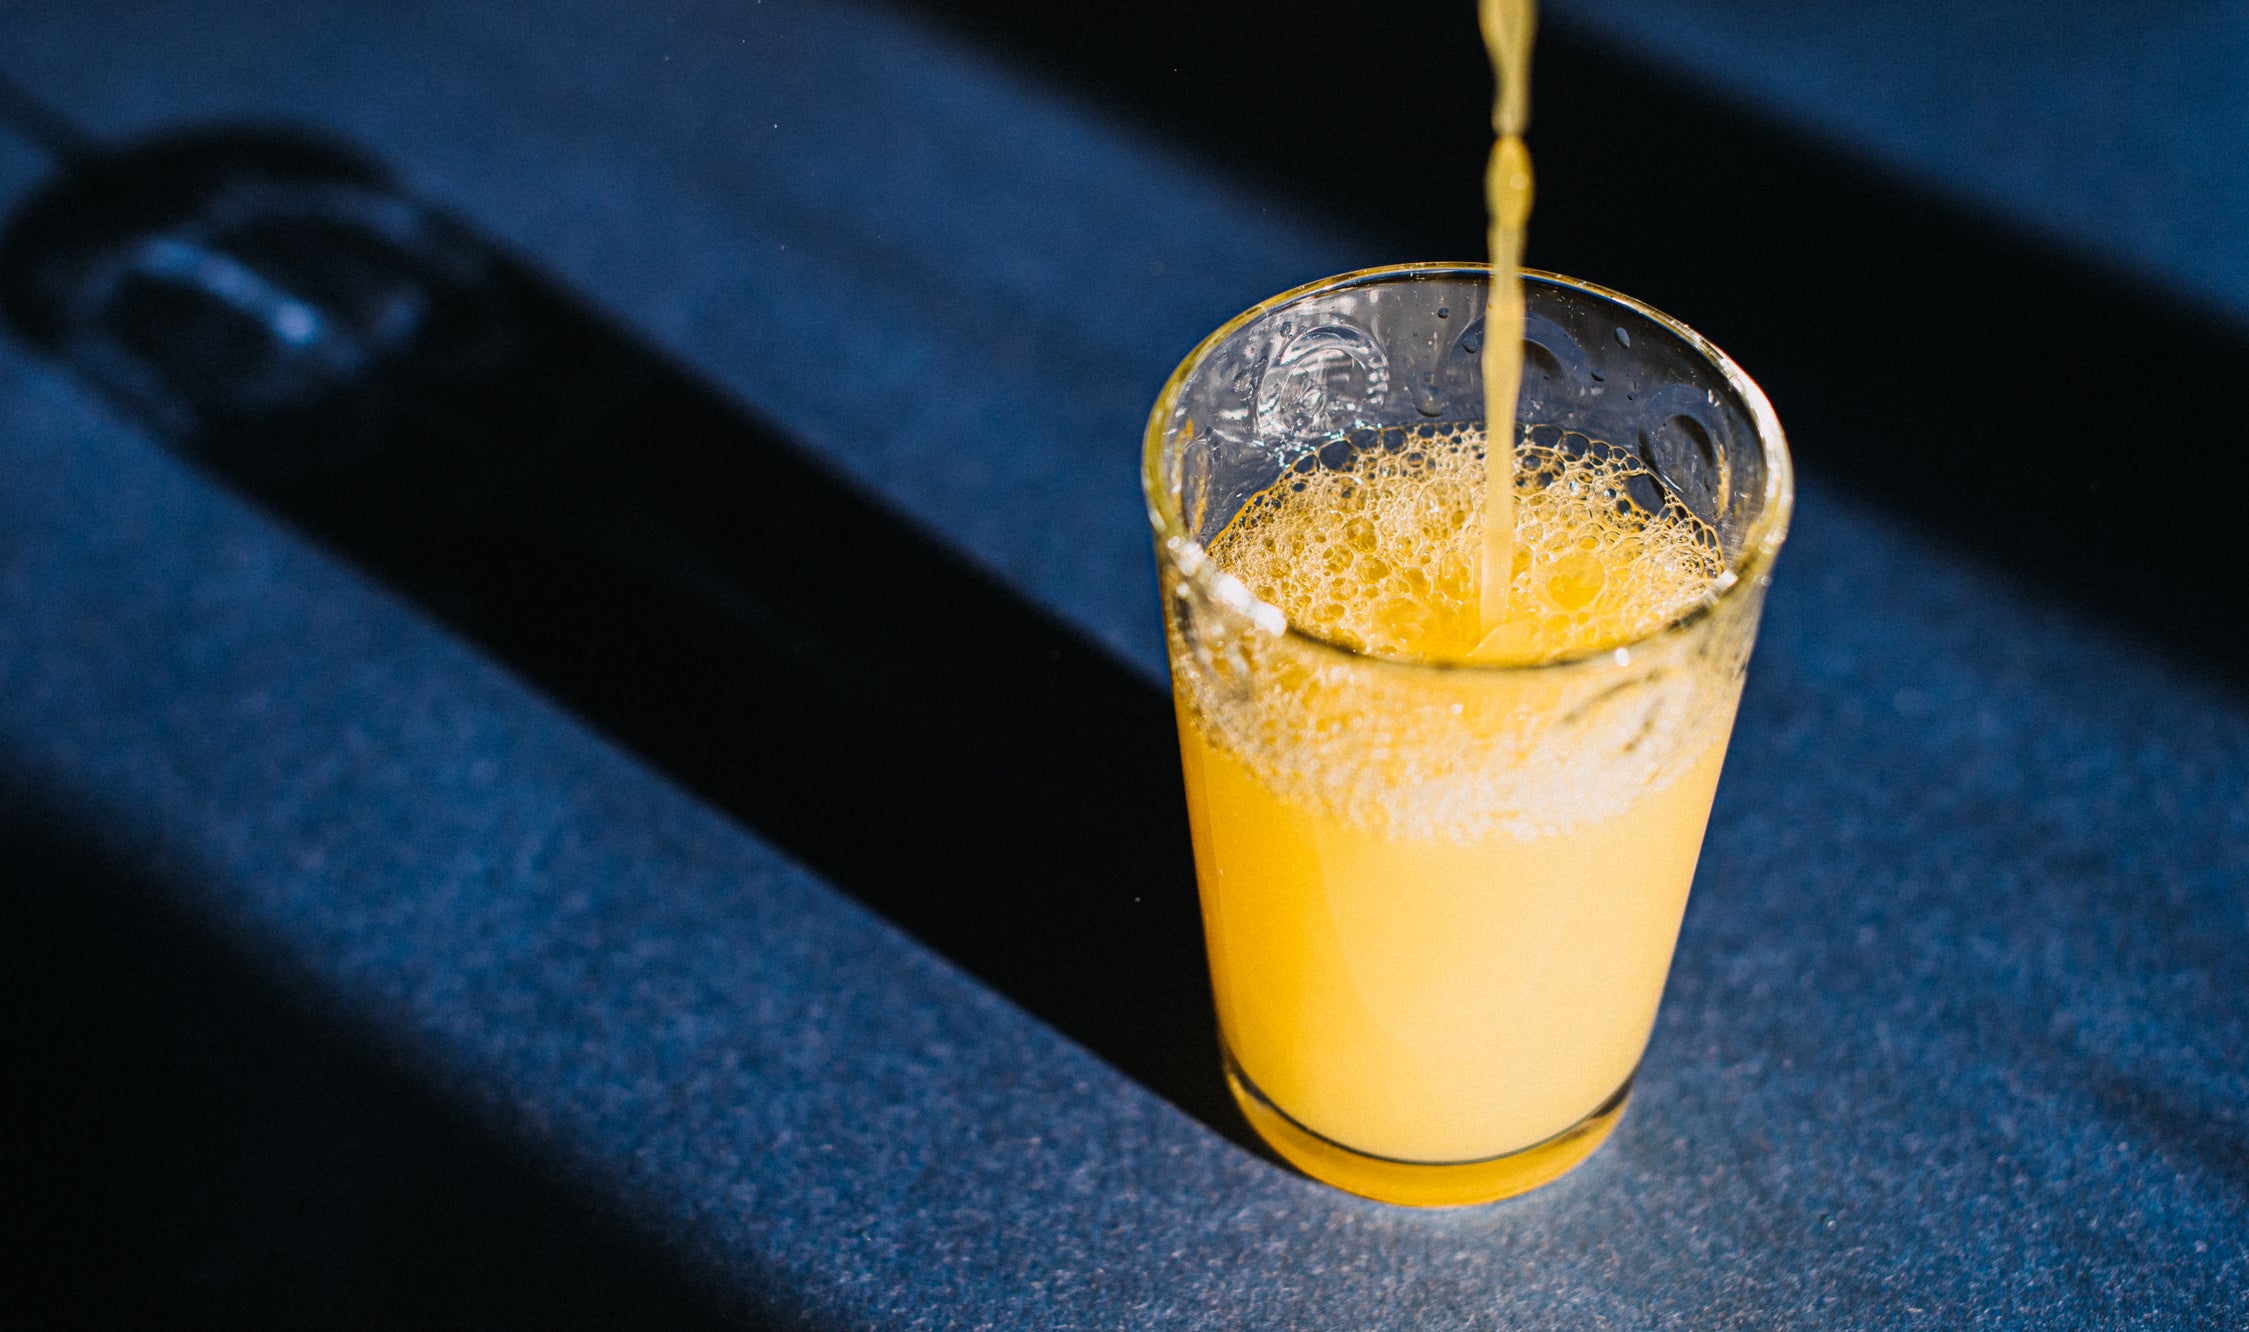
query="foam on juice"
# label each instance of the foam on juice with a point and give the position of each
(1380, 555)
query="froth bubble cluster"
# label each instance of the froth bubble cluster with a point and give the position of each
(1375, 548)
(1381, 553)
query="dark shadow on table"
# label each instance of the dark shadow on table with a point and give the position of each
(189, 1143)
(2155, 1113)
(654, 557)
(2002, 395)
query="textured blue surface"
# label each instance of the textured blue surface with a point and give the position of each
(1954, 1036)
(905, 259)
(2119, 130)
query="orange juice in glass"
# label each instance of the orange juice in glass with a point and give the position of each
(1443, 861)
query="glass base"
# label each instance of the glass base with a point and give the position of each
(1423, 1184)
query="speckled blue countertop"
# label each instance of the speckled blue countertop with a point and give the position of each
(1954, 1037)
(2121, 131)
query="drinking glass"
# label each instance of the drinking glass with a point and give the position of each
(1440, 897)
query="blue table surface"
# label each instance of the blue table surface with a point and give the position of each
(2120, 131)
(1955, 1033)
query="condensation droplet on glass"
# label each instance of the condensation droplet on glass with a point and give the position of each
(1425, 396)
(1623, 337)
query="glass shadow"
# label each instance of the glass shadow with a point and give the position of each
(642, 549)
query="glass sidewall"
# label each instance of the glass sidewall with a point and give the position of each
(1307, 857)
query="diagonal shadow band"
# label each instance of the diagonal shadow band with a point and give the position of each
(654, 557)
(189, 1143)
(2003, 394)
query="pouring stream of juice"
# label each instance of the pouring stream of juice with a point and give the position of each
(1508, 26)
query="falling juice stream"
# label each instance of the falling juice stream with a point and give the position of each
(1508, 26)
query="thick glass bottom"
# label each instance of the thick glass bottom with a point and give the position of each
(1417, 1183)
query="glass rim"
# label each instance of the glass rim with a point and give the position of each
(1748, 568)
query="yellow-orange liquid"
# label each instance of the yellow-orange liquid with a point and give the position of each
(1508, 26)
(1440, 905)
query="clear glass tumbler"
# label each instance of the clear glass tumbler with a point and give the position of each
(1440, 896)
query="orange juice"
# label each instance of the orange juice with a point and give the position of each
(1508, 26)
(1440, 903)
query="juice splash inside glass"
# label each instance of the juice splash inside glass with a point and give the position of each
(1443, 861)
